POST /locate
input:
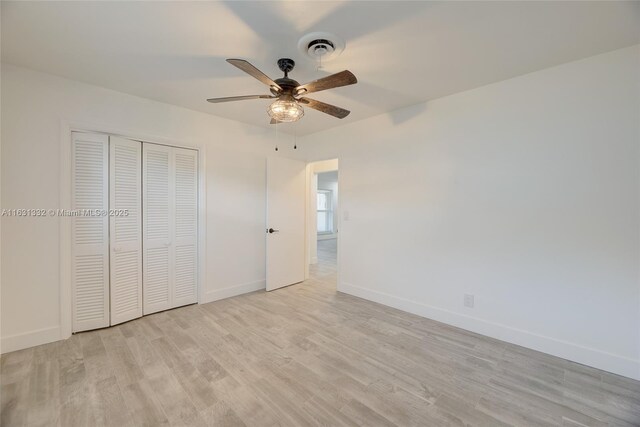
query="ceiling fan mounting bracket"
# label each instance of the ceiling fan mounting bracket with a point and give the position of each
(286, 65)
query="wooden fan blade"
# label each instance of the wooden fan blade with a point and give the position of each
(343, 78)
(239, 98)
(332, 110)
(273, 122)
(253, 71)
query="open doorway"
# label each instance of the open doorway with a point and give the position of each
(323, 230)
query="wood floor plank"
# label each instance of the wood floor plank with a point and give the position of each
(143, 406)
(175, 401)
(13, 411)
(251, 410)
(364, 415)
(108, 403)
(43, 400)
(123, 363)
(197, 387)
(221, 414)
(16, 366)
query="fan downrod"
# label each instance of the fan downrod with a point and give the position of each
(286, 65)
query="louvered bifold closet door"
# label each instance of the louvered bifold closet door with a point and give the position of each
(126, 230)
(90, 234)
(157, 207)
(186, 227)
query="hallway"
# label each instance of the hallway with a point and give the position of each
(325, 271)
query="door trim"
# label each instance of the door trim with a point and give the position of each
(313, 169)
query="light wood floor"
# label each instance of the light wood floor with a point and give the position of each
(303, 355)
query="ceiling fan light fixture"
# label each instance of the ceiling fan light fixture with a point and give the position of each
(286, 109)
(290, 93)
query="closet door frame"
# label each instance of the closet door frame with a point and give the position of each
(67, 127)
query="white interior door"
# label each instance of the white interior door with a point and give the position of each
(125, 193)
(157, 233)
(286, 187)
(90, 234)
(170, 227)
(185, 230)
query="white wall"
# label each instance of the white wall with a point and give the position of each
(35, 109)
(524, 193)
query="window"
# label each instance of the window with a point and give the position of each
(325, 211)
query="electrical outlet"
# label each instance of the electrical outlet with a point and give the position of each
(468, 300)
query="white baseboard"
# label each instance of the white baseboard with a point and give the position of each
(29, 339)
(47, 335)
(232, 291)
(567, 350)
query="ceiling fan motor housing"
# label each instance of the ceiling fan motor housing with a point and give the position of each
(288, 85)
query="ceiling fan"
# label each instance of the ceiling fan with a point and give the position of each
(290, 93)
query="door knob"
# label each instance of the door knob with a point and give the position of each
(272, 230)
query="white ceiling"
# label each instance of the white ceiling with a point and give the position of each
(403, 53)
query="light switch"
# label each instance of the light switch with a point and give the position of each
(345, 215)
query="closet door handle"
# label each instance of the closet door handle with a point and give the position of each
(168, 243)
(117, 249)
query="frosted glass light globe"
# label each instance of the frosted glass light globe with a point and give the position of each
(285, 109)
